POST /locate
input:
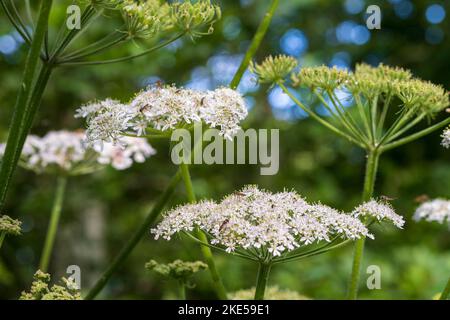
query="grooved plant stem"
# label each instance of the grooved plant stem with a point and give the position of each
(254, 45)
(19, 123)
(369, 183)
(53, 224)
(206, 251)
(262, 279)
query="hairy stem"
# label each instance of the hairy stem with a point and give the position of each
(206, 251)
(134, 240)
(261, 280)
(17, 129)
(369, 184)
(446, 292)
(254, 45)
(53, 224)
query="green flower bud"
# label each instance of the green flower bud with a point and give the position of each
(322, 77)
(274, 69)
(192, 18)
(40, 289)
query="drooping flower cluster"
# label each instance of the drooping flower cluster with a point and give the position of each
(178, 270)
(434, 210)
(40, 289)
(256, 219)
(66, 152)
(446, 138)
(381, 211)
(10, 226)
(162, 109)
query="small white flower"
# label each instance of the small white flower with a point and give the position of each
(254, 219)
(434, 210)
(66, 151)
(382, 211)
(163, 109)
(446, 138)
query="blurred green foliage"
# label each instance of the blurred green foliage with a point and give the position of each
(102, 210)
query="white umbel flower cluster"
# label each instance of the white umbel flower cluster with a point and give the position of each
(434, 210)
(446, 138)
(163, 108)
(256, 219)
(381, 211)
(66, 151)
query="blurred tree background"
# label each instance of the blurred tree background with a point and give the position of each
(102, 210)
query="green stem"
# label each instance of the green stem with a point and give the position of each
(318, 118)
(254, 45)
(206, 251)
(262, 279)
(2, 238)
(53, 224)
(182, 287)
(369, 184)
(134, 240)
(21, 109)
(446, 292)
(415, 136)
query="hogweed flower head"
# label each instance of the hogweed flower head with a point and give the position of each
(379, 93)
(40, 289)
(379, 210)
(146, 19)
(65, 152)
(446, 138)
(274, 69)
(322, 77)
(163, 108)
(178, 270)
(194, 17)
(434, 210)
(256, 220)
(10, 226)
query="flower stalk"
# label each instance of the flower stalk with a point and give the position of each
(29, 89)
(254, 45)
(262, 279)
(206, 251)
(53, 224)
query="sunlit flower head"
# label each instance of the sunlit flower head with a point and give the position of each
(10, 226)
(446, 138)
(41, 290)
(434, 210)
(270, 223)
(321, 77)
(195, 18)
(146, 19)
(66, 152)
(379, 210)
(163, 109)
